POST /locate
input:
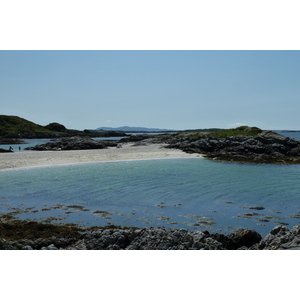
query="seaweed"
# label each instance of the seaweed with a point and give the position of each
(253, 207)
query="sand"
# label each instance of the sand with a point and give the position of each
(53, 158)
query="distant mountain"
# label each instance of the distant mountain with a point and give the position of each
(133, 129)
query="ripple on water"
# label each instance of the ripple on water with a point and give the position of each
(181, 193)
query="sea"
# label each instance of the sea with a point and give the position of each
(192, 193)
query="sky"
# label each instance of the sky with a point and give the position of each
(160, 89)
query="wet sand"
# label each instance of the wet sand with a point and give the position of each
(51, 158)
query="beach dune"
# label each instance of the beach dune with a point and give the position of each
(127, 152)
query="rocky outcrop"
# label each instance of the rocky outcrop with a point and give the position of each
(39, 236)
(4, 150)
(266, 148)
(242, 238)
(136, 138)
(73, 143)
(282, 238)
(135, 239)
(165, 239)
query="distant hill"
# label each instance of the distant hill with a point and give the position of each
(16, 127)
(133, 129)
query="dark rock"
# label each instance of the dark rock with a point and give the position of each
(4, 245)
(135, 138)
(241, 238)
(244, 237)
(115, 238)
(224, 240)
(27, 248)
(4, 150)
(282, 238)
(50, 247)
(147, 239)
(266, 148)
(73, 143)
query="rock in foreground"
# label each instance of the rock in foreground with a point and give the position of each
(22, 235)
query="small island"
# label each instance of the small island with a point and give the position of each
(242, 145)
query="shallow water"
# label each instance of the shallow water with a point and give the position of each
(196, 194)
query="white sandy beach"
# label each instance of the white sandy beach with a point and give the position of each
(52, 158)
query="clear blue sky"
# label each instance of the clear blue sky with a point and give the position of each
(162, 89)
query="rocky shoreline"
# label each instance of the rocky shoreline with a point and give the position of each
(73, 143)
(261, 147)
(265, 147)
(270, 149)
(26, 235)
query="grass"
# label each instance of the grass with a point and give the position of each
(239, 131)
(194, 135)
(16, 127)
(221, 133)
(13, 126)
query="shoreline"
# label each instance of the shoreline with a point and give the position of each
(130, 238)
(28, 235)
(32, 159)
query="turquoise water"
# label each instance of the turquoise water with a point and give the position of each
(196, 194)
